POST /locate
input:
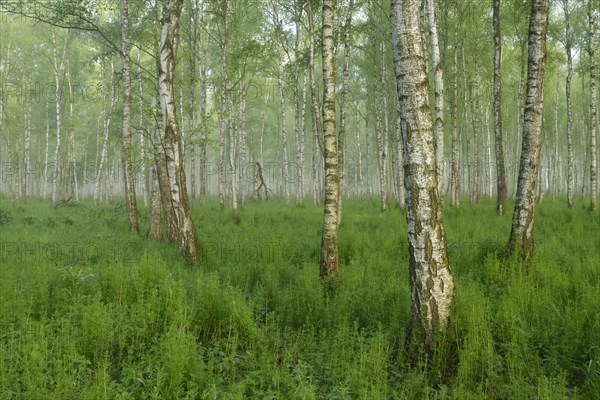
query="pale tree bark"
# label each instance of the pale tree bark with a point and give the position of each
(128, 175)
(27, 149)
(343, 100)
(382, 132)
(45, 192)
(232, 131)
(475, 121)
(72, 171)
(466, 127)
(141, 122)
(224, 126)
(169, 136)
(570, 183)
(455, 179)
(359, 180)
(521, 241)
(593, 126)
(439, 97)
(58, 67)
(154, 228)
(106, 130)
(243, 143)
(202, 153)
(432, 286)
(399, 159)
(316, 112)
(500, 170)
(329, 244)
(556, 182)
(302, 141)
(284, 155)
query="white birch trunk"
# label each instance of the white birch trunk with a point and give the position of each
(432, 286)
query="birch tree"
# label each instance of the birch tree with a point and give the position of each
(431, 283)
(593, 123)
(170, 162)
(521, 236)
(570, 181)
(329, 244)
(500, 171)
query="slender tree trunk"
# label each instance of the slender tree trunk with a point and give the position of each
(570, 182)
(466, 128)
(453, 115)
(27, 149)
(556, 182)
(128, 175)
(343, 100)
(439, 97)
(400, 158)
(203, 133)
(142, 144)
(382, 133)
(521, 237)
(329, 245)
(170, 135)
(302, 141)
(432, 286)
(475, 120)
(45, 193)
(58, 66)
(106, 129)
(154, 229)
(593, 126)
(500, 170)
(243, 148)
(285, 169)
(360, 185)
(223, 119)
(317, 122)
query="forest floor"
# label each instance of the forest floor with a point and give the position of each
(90, 312)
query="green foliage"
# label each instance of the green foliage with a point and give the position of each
(100, 314)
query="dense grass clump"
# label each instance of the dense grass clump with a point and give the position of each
(90, 312)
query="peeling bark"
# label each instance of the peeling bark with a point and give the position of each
(432, 286)
(521, 241)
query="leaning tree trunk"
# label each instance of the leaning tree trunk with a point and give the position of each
(439, 97)
(432, 286)
(500, 171)
(128, 176)
(329, 243)
(521, 235)
(593, 157)
(169, 136)
(570, 183)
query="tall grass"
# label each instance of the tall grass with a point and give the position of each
(90, 312)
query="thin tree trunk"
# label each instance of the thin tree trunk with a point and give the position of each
(570, 183)
(521, 237)
(26, 149)
(592, 128)
(329, 244)
(432, 286)
(285, 169)
(45, 193)
(302, 141)
(382, 133)
(500, 170)
(58, 66)
(142, 144)
(466, 128)
(154, 229)
(106, 129)
(316, 112)
(343, 100)
(223, 119)
(556, 182)
(72, 171)
(439, 97)
(400, 159)
(453, 116)
(203, 133)
(128, 176)
(475, 120)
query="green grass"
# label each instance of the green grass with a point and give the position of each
(90, 312)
